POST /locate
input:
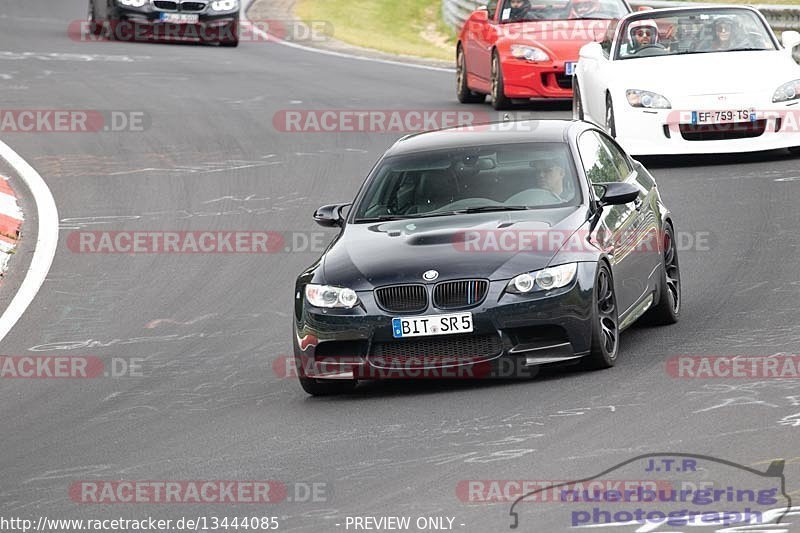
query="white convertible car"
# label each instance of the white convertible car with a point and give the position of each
(692, 81)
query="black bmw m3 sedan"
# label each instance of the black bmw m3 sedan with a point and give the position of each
(201, 21)
(528, 243)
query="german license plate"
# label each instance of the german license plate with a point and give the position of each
(419, 326)
(726, 116)
(180, 18)
(569, 67)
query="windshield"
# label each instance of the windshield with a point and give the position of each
(471, 180)
(693, 32)
(527, 10)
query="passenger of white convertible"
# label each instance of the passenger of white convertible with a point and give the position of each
(724, 34)
(519, 10)
(641, 34)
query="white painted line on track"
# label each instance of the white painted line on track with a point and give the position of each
(322, 51)
(46, 239)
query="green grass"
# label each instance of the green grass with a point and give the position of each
(407, 27)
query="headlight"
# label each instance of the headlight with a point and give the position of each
(530, 53)
(647, 99)
(787, 91)
(224, 5)
(543, 280)
(327, 296)
(133, 3)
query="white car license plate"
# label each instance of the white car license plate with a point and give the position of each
(569, 67)
(180, 18)
(726, 116)
(432, 325)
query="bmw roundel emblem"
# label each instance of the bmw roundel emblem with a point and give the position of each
(430, 275)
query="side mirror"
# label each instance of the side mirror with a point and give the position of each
(644, 8)
(790, 39)
(591, 51)
(330, 216)
(618, 193)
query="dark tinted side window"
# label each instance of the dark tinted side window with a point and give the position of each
(620, 160)
(596, 159)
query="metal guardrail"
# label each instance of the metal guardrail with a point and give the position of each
(781, 18)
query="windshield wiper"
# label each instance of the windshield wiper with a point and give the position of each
(490, 208)
(387, 218)
(746, 49)
(481, 209)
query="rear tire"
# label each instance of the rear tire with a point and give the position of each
(316, 387)
(668, 309)
(577, 104)
(499, 99)
(605, 322)
(463, 92)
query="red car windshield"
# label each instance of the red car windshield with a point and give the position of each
(532, 10)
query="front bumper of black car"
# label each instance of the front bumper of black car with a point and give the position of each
(526, 330)
(147, 24)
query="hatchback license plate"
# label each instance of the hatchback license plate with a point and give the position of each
(432, 325)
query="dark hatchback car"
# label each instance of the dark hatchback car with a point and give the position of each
(470, 247)
(203, 21)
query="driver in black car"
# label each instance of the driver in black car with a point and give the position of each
(551, 176)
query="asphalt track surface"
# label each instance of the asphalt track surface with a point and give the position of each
(209, 405)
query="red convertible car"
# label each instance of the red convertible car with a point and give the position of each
(518, 50)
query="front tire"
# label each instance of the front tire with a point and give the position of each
(499, 99)
(668, 309)
(94, 27)
(794, 150)
(463, 92)
(605, 322)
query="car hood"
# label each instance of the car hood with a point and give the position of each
(707, 74)
(560, 38)
(366, 256)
